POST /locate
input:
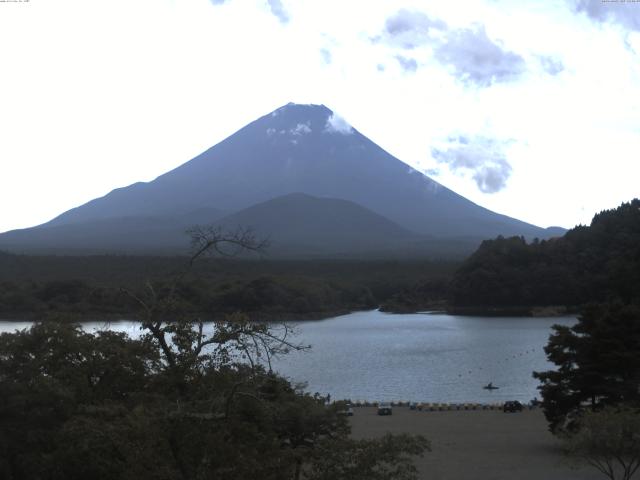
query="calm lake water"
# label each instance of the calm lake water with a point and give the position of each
(411, 357)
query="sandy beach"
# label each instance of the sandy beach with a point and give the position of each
(477, 444)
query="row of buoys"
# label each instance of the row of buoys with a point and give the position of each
(438, 407)
(501, 362)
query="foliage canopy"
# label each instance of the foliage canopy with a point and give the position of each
(597, 364)
(608, 440)
(595, 263)
(184, 401)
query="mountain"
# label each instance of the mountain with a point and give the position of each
(300, 223)
(295, 149)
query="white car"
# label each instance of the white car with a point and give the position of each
(347, 410)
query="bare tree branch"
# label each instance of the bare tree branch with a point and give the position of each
(204, 239)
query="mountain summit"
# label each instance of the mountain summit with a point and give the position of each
(304, 149)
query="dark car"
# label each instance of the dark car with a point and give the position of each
(512, 406)
(384, 409)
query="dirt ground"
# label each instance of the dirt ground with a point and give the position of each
(477, 445)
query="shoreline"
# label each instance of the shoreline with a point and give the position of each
(440, 308)
(486, 311)
(75, 317)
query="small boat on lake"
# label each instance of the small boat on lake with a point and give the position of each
(490, 386)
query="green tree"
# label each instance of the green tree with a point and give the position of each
(387, 458)
(597, 364)
(48, 373)
(608, 440)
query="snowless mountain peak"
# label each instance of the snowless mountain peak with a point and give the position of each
(294, 119)
(296, 148)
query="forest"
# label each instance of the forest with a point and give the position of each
(596, 263)
(45, 286)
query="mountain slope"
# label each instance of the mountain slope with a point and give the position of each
(300, 222)
(297, 149)
(129, 234)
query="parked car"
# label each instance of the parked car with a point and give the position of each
(512, 406)
(413, 406)
(347, 410)
(384, 408)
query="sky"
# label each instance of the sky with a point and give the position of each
(530, 109)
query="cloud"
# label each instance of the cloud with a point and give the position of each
(481, 157)
(217, 2)
(410, 29)
(407, 64)
(337, 124)
(278, 10)
(476, 59)
(326, 55)
(625, 13)
(300, 129)
(551, 65)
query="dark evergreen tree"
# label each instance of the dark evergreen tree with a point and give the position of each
(598, 364)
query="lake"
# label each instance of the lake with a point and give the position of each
(411, 357)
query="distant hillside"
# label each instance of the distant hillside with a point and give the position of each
(129, 234)
(296, 226)
(299, 225)
(589, 264)
(294, 149)
(305, 224)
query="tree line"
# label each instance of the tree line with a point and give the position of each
(596, 263)
(82, 287)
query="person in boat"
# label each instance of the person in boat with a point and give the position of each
(490, 385)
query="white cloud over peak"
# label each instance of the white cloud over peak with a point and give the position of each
(337, 124)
